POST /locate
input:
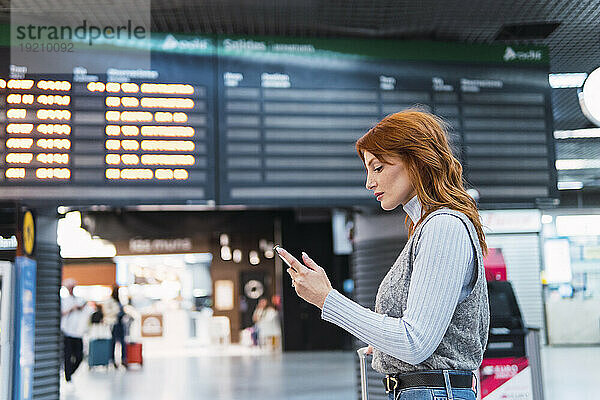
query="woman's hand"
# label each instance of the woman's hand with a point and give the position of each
(369, 350)
(310, 280)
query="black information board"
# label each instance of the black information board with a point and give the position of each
(133, 136)
(289, 121)
(271, 122)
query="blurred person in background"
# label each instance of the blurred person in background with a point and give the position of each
(132, 321)
(114, 316)
(73, 325)
(431, 320)
(97, 329)
(266, 322)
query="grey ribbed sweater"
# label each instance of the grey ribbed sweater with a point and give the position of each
(441, 278)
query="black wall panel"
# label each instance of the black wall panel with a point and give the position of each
(370, 262)
(48, 340)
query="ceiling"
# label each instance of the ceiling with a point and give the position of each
(570, 29)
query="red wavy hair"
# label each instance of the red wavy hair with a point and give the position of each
(420, 139)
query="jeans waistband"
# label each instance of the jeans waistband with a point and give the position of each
(443, 379)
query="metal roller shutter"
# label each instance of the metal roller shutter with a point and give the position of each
(370, 261)
(46, 381)
(523, 265)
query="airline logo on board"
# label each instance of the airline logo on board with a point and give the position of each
(171, 43)
(532, 55)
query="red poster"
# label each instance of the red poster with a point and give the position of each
(506, 379)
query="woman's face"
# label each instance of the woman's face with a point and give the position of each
(389, 182)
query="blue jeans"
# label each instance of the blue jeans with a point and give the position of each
(428, 393)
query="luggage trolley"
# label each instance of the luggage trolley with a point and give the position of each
(362, 356)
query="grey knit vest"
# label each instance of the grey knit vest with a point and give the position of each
(466, 337)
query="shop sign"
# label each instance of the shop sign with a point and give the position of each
(506, 379)
(511, 221)
(158, 246)
(578, 225)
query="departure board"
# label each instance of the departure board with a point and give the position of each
(150, 131)
(270, 121)
(292, 116)
(133, 136)
(37, 139)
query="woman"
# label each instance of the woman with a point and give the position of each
(114, 316)
(266, 320)
(431, 319)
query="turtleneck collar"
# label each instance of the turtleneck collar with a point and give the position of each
(413, 209)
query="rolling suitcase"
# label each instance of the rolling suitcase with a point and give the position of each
(363, 372)
(134, 354)
(99, 352)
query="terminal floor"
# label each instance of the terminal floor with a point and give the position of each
(239, 373)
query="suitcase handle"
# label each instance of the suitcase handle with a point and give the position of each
(363, 372)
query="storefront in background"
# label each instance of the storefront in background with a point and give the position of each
(173, 268)
(572, 275)
(198, 275)
(517, 235)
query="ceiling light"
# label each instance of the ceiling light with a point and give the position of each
(269, 253)
(225, 253)
(577, 164)
(237, 255)
(569, 185)
(253, 257)
(224, 239)
(262, 244)
(569, 80)
(578, 133)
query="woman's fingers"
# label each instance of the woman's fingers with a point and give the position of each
(291, 260)
(310, 263)
(309, 279)
(296, 265)
(292, 273)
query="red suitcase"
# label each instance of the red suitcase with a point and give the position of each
(134, 354)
